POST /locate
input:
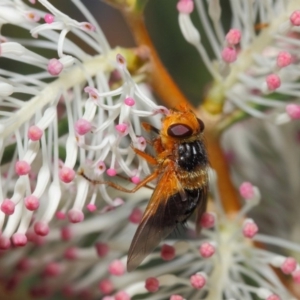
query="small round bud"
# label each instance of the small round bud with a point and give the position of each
(247, 190)
(289, 265)
(41, 228)
(54, 67)
(185, 6)
(152, 284)
(111, 172)
(83, 126)
(167, 252)
(293, 110)
(129, 101)
(229, 55)
(233, 37)
(8, 207)
(207, 250)
(32, 203)
(66, 174)
(249, 228)
(295, 18)
(19, 239)
(35, 133)
(102, 249)
(136, 216)
(22, 167)
(273, 82)
(75, 215)
(208, 220)
(198, 281)
(116, 268)
(49, 18)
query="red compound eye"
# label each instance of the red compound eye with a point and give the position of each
(179, 131)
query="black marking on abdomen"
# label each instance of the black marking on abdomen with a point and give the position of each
(192, 155)
(176, 210)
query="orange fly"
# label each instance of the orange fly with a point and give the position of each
(180, 168)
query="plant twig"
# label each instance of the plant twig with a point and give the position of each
(161, 82)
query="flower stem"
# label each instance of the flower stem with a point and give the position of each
(228, 193)
(160, 80)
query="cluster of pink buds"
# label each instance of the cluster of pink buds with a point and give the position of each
(254, 69)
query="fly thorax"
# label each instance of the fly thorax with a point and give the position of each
(192, 155)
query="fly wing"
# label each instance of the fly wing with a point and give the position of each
(161, 216)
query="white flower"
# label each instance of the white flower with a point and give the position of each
(254, 66)
(93, 125)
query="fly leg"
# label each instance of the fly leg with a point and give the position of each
(150, 159)
(119, 187)
(128, 179)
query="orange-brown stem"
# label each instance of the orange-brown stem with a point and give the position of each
(161, 82)
(228, 193)
(229, 196)
(171, 96)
